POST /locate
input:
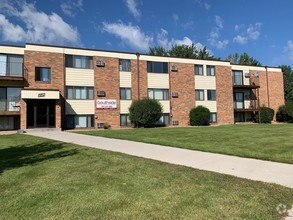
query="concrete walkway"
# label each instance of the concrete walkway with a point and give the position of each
(253, 169)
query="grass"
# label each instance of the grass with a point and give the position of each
(44, 179)
(266, 142)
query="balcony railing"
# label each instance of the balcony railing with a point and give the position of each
(10, 104)
(14, 69)
(246, 105)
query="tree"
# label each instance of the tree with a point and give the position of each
(204, 54)
(183, 51)
(243, 59)
(145, 112)
(288, 82)
(158, 51)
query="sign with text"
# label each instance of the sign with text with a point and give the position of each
(106, 103)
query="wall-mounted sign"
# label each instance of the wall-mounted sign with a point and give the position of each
(42, 94)
(106, 103)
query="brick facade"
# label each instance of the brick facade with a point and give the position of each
(182, 82)
(225, 110)
(55, 61)
(107, 79)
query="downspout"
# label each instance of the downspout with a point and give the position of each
(268, 93)
(138, 83)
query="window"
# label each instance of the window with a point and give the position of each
(125, 93)
(164, 120)
(124, 120)
(211, 71)
(124, 65)
(79, 121)
(9, 97)
(198, 70)
(213, 117)
(211, 95)
(11, 65)
(157, 67)
(199, 95)
(78, 92)
(237, 77)
(43, 74)
(76, 61)
(158, 94)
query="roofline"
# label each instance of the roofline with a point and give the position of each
(132, 53)
(9, 45)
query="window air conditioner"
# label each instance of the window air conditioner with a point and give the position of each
(101, 93)
(174, 94)
(247, 75)
(174, 69)
(100, 63)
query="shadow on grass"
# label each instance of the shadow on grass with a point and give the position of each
(23, 155)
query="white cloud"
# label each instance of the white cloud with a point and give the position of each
(188, 25)
(240, 39)
(11, 32)
(175, 18)
(252, 32)
(289, 50)
(69, 7)
(130, 35)
(39, 27)
(214, 37)
(132, 7)
(204, 4)
(207, 6)
(219, 22)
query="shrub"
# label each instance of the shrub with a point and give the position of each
(285, 112)
(107, 125)
(145, 112)
(266, 115)
(199, 116)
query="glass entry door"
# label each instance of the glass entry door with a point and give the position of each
(40, 113)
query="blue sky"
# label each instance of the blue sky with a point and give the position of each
(262, 28)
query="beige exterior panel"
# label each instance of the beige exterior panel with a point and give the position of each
(166, 106)
(158, 81)
(80, 107)
(79, 77)
(125, 79)
(12, 50)
(246, 69)
(204, 82)
(43, 48)
(124, 105)
(40, 94)
(211, 105)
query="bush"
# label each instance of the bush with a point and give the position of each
(199, 116)
(285, 112)
(266, 115)
(107, 125)
(145, 112)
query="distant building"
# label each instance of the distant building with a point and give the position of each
(64, 87)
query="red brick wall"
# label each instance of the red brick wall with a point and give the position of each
(56, 62)
(225, 110)
(107, 79)
(183, 83)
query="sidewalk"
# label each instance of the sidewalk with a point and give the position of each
(253, 169)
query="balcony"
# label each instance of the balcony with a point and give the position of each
(246, 106)
(10, 106)
(12, 71)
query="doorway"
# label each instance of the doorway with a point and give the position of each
(40, 113)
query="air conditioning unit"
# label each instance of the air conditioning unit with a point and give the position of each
(247, 75)
(101, 93)
(100, 63)
(174, 68)
(175, 122)
(174, 94)
(100, 125)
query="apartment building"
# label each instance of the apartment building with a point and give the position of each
(65, 87)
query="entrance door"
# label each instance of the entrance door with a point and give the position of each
(40, 113)
(239, 100)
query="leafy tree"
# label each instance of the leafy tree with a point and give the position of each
(199, 116)
(145, 112)
(243, 59)
(288, 82)
(159, 51)
(204, 54)
(285, 112)
(266, 115)
(183, 51)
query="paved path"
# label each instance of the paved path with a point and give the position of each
(253, 169)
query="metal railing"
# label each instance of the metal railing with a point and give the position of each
(11, 69)
(10, 104)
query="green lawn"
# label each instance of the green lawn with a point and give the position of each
(267, 142)
(44, 179)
